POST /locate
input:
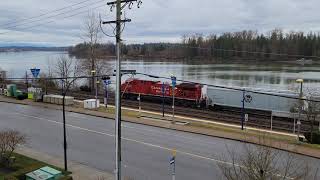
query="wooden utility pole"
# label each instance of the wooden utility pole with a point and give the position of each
(120, 4)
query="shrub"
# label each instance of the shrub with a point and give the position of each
(20, 174)
(9, 140)
(315, 138)
(85, 88)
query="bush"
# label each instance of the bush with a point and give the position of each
(9, 177)
(9, 140)
(315, 138)
(85, 88)
(20, 174)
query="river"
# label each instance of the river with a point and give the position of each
(280, 76)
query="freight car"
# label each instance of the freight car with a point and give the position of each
(271, 100)
(186, 94)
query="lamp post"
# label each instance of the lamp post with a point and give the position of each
(300, 106)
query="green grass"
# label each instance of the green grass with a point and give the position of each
(24, 165)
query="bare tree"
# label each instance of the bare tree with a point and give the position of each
(68, 71)
(9, 140)
(91, 35)
(264, 163)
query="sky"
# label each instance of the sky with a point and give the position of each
(28, 22)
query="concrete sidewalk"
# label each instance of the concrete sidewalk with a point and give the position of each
(79, 171)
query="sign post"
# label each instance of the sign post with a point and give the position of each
(172, 163)
(35, 73)
(174, 82)
(163, 92)
(106, 82)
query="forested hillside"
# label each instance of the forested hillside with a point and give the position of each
(245, 45)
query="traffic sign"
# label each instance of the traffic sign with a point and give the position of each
(35, 72)
(106, 82)
(248, 98)
(174, 80)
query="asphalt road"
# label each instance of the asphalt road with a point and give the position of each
(146, 150)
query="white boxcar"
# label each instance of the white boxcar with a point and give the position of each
(273, 102)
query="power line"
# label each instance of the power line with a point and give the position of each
(228, 88)
(47, 22)
(46, 13)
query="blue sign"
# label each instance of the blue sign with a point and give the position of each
(174, 80)
(106, 82)
(35, 72)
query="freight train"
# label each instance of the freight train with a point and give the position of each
(198, 96)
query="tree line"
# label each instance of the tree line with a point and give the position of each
(245, 45)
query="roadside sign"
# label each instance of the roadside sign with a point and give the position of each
(174, 80)
(35, 72)
(246, 117)
(107, 82)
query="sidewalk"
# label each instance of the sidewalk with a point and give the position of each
(79, 171)
(278, 140)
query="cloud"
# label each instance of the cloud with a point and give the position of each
(157, 20)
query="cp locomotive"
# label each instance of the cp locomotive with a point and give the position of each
(186, 94)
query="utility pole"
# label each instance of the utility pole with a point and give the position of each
(120, 4)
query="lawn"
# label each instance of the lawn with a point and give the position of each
(21, 166)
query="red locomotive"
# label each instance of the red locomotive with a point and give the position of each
(186, 94)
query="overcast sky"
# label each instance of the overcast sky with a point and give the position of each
(155, 21)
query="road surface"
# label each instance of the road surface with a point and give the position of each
(146, 150)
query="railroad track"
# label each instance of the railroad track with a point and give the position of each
(259, 119)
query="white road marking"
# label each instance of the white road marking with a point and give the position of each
(128, 139)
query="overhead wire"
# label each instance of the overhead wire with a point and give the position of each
(228, 88)
(46, 13)
(43, 23)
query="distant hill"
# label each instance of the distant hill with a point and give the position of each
(30, 48)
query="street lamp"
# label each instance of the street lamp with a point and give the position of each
(300, 106)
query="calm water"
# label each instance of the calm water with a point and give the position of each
(272, 76)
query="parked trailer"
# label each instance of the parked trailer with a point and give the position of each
(262, 100)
